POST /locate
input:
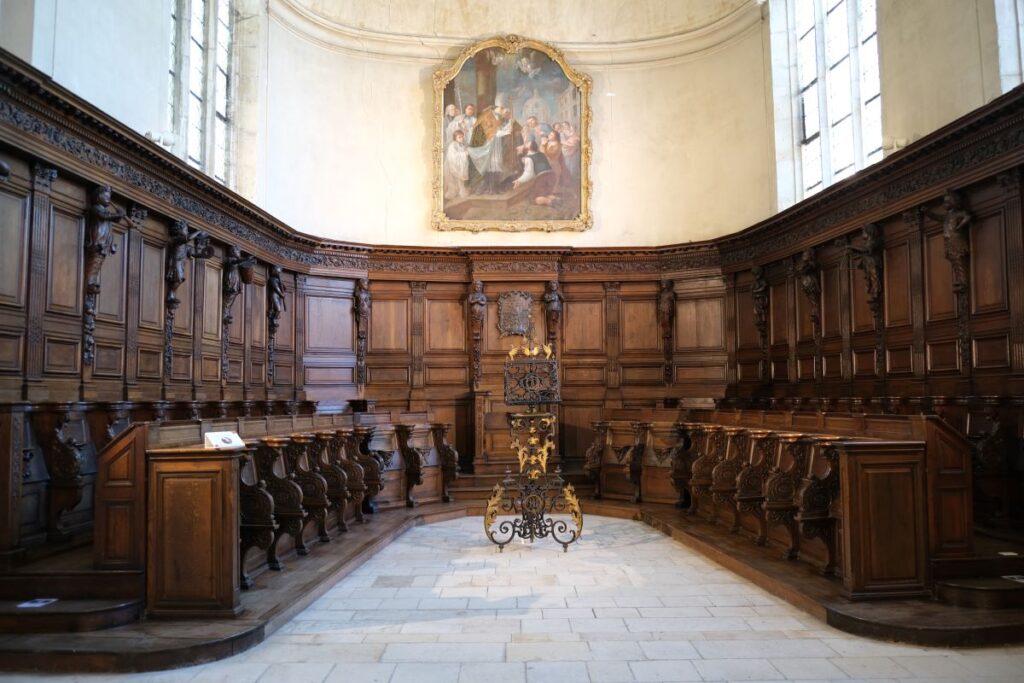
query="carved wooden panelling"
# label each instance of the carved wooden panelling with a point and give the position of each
(14, 254)
(900, 360)
(109, 360)
(61, 356)
(11, 350)
(211, 301)
(389, 325)
(830, 301)
(447, 375)
(943, 356)
(897, 285)
(938, 279)
(860, 311)
(112, 281)
(582, 374)
(642, 374)
(328, 324)
(832, 365)
(746, 330)
(389, 375)
(779, 308)
(699, 324)
(183, 317)
(181, 366)
(583, 327)
(639, 326)
(209, 368)
(988, 264)
(316, 374)
(285, 338)
(864, 363)
(64, 286)
(700, 373)
(151, 292)
(257, 294)
(445, 325)
(150, 363)
(992, 352)
(284, 374)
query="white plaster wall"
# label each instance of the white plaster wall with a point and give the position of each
(113, 53)
(939, 60)
(682, 151)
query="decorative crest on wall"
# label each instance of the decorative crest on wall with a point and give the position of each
(514, 318)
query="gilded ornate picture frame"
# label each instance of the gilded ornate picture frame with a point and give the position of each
(511, 140)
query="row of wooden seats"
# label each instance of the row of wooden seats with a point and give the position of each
(325, 478)
(726, 474)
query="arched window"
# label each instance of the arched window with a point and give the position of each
(828, 113)
(200, 82)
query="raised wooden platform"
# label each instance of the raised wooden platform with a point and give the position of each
(278, 597)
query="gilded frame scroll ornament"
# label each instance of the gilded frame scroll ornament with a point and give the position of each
(443, 78)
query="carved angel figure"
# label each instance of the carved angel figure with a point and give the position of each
(99, 236)
(233, 279)
(759, 293)
(181, 247)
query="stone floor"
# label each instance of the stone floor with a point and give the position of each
(626, 603)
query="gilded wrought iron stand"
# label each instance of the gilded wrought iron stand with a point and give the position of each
(534, 493)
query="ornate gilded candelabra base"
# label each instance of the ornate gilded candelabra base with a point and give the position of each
(533, 494)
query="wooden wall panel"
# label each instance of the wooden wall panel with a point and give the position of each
(584, 327)
(151, 295)
(700, 324)
(897, 285)
(639, 328)
(113, 279)
(445, 325)
(328, 324)
(830, 302)
(14, 255)
(64, 285)
(939, 280)
(779, 299)
(389, 325)
(988, 264)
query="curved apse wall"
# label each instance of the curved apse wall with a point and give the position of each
(682, 137)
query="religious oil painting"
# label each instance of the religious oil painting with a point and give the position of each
(512, 140)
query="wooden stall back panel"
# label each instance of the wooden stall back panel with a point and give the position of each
(192, 539)
(884, 519)
(119, 536)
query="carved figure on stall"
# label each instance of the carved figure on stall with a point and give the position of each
(956, 222)
(477, 312)
(361, 308)
(760, 294)
(869, 260)
(182, 244)
(235, 267)
(553, 306)
(99, 244)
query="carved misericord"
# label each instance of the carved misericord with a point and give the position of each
(870, 259)
(237, 271)
(761, 296)
(666, 321)
(99, 244)
(361, 308)
(553, 310)
(956, 233)
(182, 244)
(477, 314)
(806, 268)
(275, 307)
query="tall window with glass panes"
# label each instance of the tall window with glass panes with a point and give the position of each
(200, 84)
(835, 95)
